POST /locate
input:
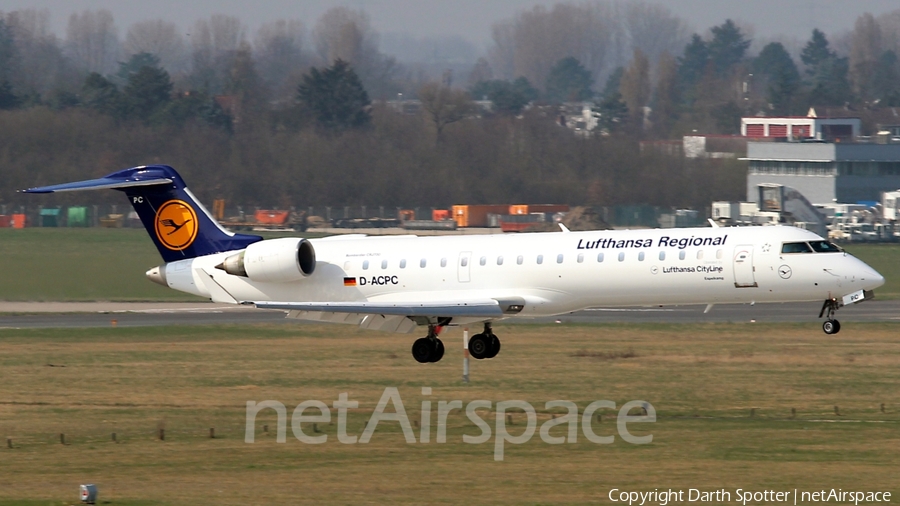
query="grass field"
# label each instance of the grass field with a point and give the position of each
(703, 380)
(58, 264)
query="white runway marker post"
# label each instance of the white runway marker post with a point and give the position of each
(465, 355)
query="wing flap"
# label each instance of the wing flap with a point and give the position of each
(385, 323)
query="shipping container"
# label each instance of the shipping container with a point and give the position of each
(76, 217)
(476, 215)
(5, 221)
(269, 217)
(521, 222)
(538, 208)
(50, 217)
(18, 221)
(440, 214)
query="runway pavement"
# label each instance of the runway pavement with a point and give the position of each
(105, 314)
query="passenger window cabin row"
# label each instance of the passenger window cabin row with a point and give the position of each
(786, 248)
(560, 258)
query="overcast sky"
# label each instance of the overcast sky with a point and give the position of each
(469, 18)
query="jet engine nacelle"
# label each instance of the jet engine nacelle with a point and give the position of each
(274, 260)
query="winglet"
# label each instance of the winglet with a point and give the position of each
(712, 223)
(563, 228)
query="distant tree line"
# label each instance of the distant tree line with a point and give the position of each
(299, 118)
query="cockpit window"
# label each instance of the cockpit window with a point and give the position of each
(824, 247)
(796, 247)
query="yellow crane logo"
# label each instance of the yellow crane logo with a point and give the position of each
(176, 225)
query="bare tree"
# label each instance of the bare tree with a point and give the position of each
(39, 62)
(865, 49)
(480, 72)
(444, 105)
(279, 53)
(600, 34)
(160, 38)
(654, 30)
(543, 37)
(889, 23)
(213, 44)
(502, 55)
(347, 35)
(92, 41)
(665, 100)
(635, 87)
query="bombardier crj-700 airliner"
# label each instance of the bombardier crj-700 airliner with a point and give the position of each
(398, 283)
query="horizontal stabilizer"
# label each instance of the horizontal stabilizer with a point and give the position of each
(104, 183)
(486, 308)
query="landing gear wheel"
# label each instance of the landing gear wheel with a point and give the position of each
(495, 346)
(429, 348)
(831, 327)
(422, 350)
(438, 352)
(479, 346)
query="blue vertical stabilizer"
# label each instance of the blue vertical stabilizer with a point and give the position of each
(177, 222)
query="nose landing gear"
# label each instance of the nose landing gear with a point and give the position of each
(429, 348)
(830, 326)
(484, 345)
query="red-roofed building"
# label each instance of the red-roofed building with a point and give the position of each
(811, 126)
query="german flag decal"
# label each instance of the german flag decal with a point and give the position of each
(349, 281)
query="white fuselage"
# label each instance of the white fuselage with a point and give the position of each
(555, 272)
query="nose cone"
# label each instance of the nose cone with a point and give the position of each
(158, 275)
(868, 277)
(873, 280)
(861, 274)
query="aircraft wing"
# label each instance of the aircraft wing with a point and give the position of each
(487, 308)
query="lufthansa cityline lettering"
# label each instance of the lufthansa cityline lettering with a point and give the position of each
(708, 269)
(664, 242)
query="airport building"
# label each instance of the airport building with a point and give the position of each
(811, 126)
(825, 172)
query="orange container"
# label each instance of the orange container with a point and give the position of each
(4, 221)
(440, 215)
(264, 217)
(538, 208)
(476, 216)
(18, 221)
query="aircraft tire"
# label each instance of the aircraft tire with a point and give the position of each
(831, 327)
(479, 346)
(438, 352)
(495, 346)
(423, 350)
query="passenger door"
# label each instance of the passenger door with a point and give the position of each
(744, 275)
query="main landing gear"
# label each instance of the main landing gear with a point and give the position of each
(429, 348)
(484, 345)
(830, 325)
